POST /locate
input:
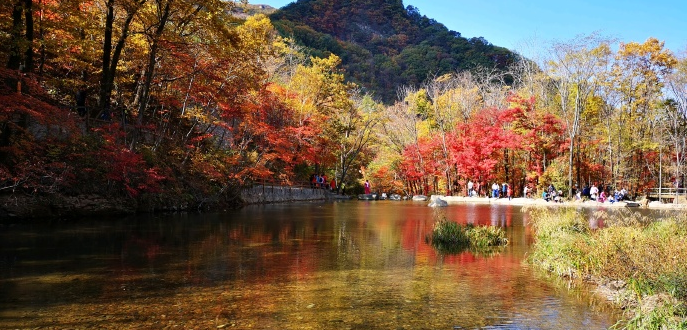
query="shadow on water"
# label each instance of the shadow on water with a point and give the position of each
(345, 265)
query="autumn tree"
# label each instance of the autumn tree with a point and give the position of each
(639, 74)
(320, 95)
(674, 115)
(575, 71)
(356, 132)
(540, 135)
(478, 145)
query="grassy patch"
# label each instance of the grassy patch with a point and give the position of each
(644, 254)
(450, 237)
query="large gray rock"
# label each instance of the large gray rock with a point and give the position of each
(437, 202)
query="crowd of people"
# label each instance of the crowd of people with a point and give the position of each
(504, 190)
(497, 191)
(550, 193)
(320, 181)
(602, 195)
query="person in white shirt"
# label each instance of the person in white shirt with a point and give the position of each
(495, 190)
(594, 192)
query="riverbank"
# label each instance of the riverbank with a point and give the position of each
(15, 207)
(19, 207)
(636, 262)
(540, 202)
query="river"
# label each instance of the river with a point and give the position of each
(324, 265)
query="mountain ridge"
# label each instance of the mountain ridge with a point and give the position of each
(384, 45)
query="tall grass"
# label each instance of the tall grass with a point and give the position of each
(450, 237)
(648, 256)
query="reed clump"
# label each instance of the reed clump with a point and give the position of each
(644, 258)
(450, 237)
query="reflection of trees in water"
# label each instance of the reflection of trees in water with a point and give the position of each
(299, 267)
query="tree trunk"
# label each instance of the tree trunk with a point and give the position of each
(41, 36)
(14, 60)
(145, 90)
(570, 166)
(105, 90)
(28, 55)
(110, 56)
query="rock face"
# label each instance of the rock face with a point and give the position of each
(17, 206)
(278, 194)
(58, 206)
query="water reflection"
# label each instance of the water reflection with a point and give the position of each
(348, 265)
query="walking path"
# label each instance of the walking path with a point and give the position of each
(531, 201)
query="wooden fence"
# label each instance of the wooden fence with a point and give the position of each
(670, 195)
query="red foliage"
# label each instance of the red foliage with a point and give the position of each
(282, 144)
(420, 160)
(477, 146)
(30, 127)
(542, 134)
(125, 169)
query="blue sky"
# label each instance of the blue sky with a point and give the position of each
(528, 26)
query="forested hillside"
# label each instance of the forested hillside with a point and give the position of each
(383, 45)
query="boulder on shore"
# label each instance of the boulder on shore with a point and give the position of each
(367, 197)
(395, 197)
(437, 202)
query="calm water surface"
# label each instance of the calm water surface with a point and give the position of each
(345, 265)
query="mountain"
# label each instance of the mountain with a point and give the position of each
(384, 45)
(246, 10)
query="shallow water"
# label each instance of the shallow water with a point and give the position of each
(344, 265)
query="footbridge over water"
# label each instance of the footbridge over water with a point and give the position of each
(668, 195)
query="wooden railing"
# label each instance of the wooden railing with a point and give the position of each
(667, 193)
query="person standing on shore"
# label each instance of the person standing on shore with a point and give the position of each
(495, 190)
(470, 188)
(594, 192)
(367, 187)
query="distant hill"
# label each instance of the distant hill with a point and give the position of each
(244, 11)
(384, 45)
